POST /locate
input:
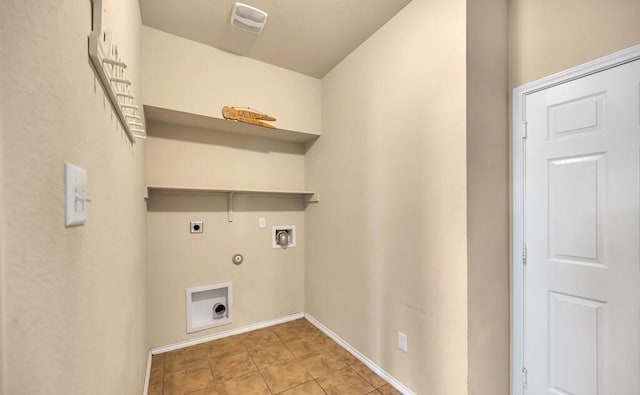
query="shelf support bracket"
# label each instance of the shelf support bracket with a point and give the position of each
(315, 198)
(230, 206)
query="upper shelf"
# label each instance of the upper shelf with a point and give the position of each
(223, 125)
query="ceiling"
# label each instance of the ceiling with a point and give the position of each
(307, 36)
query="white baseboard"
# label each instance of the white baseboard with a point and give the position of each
(375, 368)
(236, 331)
(147, 376)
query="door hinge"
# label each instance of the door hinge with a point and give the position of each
(524, 376)
(524, 255)
(524, 129)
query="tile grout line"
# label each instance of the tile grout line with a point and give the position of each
(295, 360)
(261, 375)
(364, 378)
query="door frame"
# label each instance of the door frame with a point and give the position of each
(518, 174)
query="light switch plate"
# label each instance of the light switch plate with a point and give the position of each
(75, 184)
(262, 222)
(402, 341)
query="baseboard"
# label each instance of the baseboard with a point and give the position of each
(147, 375)
(236, 331)
(375, 368)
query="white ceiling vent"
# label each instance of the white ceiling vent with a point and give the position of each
(248, 18)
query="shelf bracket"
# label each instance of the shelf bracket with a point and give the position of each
(230, 206)
(315, 198)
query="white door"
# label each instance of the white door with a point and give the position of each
(582, 237)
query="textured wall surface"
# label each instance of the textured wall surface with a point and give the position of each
(3, 353)
(488, 197)
(185, 156)
(200, 79)
(270, 283)
(548, 36)
(386, 246)
(75, 297)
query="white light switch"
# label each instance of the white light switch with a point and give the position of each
(402, 341)
(75, 184)
(262, 222)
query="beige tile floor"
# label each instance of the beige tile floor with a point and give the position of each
(294, 358)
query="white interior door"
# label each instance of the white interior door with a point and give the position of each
(582, 236)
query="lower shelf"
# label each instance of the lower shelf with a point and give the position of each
(308, 196)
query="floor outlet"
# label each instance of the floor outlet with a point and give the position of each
(402, 341)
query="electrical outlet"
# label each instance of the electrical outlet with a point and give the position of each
(402, 341)
(197, 227)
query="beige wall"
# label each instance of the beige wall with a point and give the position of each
(270, 283)
(548, 36)
(187, 76)
(75, 297)
(386, 246)
(201, 79)
(2, 246)
(185, 156)
(487, 197)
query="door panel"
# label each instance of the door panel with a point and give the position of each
(574, 205)
(580, 115)
(573, 344)
(582, 227)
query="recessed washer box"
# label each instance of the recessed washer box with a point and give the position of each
(291, 236)
(209, 306)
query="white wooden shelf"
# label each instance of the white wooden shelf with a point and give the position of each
(308, 196)
(159, 114)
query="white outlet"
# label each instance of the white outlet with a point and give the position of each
(197, 227)
(402, 341)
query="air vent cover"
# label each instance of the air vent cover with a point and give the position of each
(248, 18)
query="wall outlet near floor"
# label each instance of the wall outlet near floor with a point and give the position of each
(197, 227)
(402, 341)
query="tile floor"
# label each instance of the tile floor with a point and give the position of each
(294, 358)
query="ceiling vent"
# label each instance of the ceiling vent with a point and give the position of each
(248, 18)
